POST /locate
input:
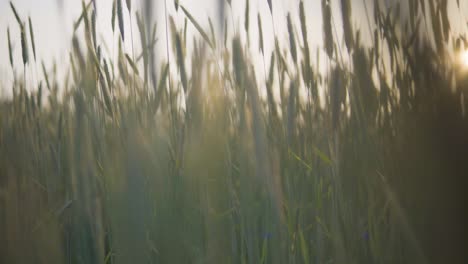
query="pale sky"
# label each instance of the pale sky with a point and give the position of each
(53, 29)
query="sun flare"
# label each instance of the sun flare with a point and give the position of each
(464, 59)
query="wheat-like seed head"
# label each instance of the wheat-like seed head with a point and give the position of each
(260, 34)
(247, 16)
(122, 65)
(129, 5)
(292, 39)
(114, 13)
(108, 76)
(238, 61)
(121, 19)
(327, 28)
(24, 45)
(33, 43)
(303, 23)
(270, 5)
(181, 63)
(306, 67)
(10, 48)
(18, 19)
(347, 26)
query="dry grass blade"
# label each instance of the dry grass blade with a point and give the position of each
(33, 43)
(213, 36)
(87, 29)
(39, 95)
(445, 23)
(271, 72)
(46, 76)
(132, 64)
(143, 40)
(303, 24)
(291, 110)
(107, 73)
(122, 65)
(161, 86)
(78, 53)
(162, 81)
(337, 94)
(174, 32)
(78, 22)
(106, 95)
(225, 32)
(85, 15)
(93, 27)
(271, 76)
(18, 19)
(96, 61)
(197, 26)
(73, 68)
(185, 30)
(270, 5)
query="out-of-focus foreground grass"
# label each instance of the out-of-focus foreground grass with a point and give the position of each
(124, 163)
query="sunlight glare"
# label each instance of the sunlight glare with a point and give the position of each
(464, 59)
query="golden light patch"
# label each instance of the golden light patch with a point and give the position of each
(464, 59)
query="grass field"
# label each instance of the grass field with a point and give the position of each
(206, 159)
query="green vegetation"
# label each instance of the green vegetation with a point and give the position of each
(119, 163)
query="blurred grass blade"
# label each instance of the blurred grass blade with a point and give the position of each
(197, 26)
